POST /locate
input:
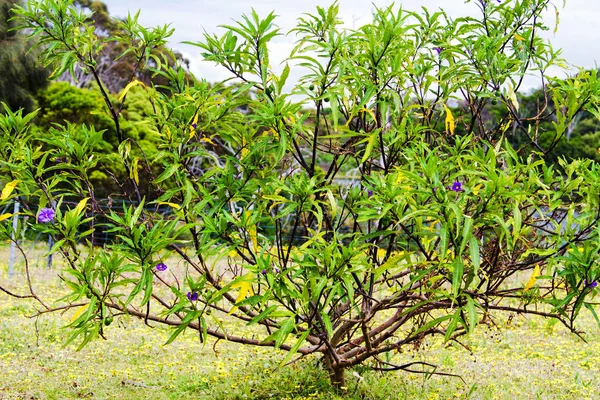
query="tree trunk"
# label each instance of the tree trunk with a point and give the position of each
(336, 373)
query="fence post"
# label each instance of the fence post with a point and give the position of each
(50, 242)
(13, 243)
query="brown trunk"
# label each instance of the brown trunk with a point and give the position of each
(336, 374)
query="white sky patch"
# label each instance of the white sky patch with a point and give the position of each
(578, 35)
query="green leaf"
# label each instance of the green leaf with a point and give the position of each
(328, 325)
(475, 254)
(443, 241)
(466, 234)
(147, 278)
(372, 140)
(471, 313)
(457, 275)
(432, 323)
(517, 220)
(263, 315)
(294, 348)
(453, 324)
(283, 77)
(591, 308)
(282, 333)
(190, 316)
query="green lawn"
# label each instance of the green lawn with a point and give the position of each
(529, 359)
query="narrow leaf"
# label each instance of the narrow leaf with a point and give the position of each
(129, 86)
(457, 275)
(449, 120)
(474, 252)
(79, 312)
(80, 206)
(5, 216)
(532, 278)
(591, 308)
(8, 189)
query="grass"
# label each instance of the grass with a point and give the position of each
(529, 358)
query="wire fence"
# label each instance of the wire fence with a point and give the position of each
(101, 235)
(36, 245)
(30, 240)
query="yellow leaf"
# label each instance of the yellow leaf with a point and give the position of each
(79, 312)
(369, 147)
(532, 278)
(245, 150)
(519, 37)
(133, 174)
(399, 177)
(5, 216)
(513, 97)
(370, 112)
(10, 186)
(245, 286)
(81, 205)
(332, 203)
(449, 120)
(272, 132)
(172, 205)
(290, 119)
(253, 237)
(193, 127)
(129, 86)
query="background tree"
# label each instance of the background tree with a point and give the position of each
(537, 130)
(62, 103)
(20, 74)
(117, 63)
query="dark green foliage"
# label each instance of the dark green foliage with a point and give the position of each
(63, 103)
(20, 75)
(117, 61)
(538, 129)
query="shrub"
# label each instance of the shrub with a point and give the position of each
(427, 232)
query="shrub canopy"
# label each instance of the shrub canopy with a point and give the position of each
(374, 204)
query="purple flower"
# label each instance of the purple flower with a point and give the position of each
(161, 267)
(46, 215)
(277, 270)
(194, 125)
(192, 296)
(370, 193)
(438, 49)
(456, 186)
(590, 285)
(264, 272)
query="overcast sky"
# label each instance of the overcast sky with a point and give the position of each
(578, 34)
